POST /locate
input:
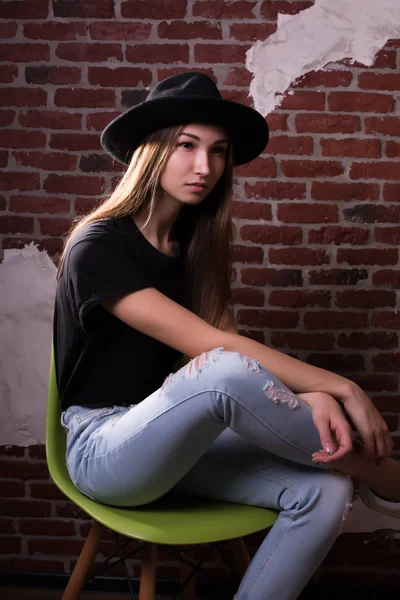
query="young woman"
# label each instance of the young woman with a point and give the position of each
(145, 280)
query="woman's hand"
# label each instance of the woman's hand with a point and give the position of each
(332, 425)
(368, 421)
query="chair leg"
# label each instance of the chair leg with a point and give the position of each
(147, 590)
(240, 555)
(189, 591)
(78, 577)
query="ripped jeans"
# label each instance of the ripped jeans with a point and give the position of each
(226, 428)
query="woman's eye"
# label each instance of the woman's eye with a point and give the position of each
(186, 145)
(220, 150)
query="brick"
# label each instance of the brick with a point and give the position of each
(238, 77)
(24, 52)
(384, 59)
(55, 547)
(38, 451)
(46, 491)
(391, 192)
(251, 32)
(19, 181)
(298, 256)
(278, 319)
(258, 336)
(387, 235)
(259, 167)
(53, 246)
(283, 144)
(365, 298)
(375, 170)
(367, 256)
(277, 121)
(53, 75)
(83, 98)
(336, 362)
(220, 53)
(219, 9)
(317, 123)
(95, 163)
(386, 319)
(247, 254)
(271, 234)
(372, 213)
(43, 119)
(56, 527)
(16, 96)
(7, 117)
(338, 235)
(387, 403)
(385, 363)
(392, 149)
(275, 189)
(46, 161)
(272, 277)
(75, 141)
(302, 341)
(117, 30)
(383, 125)
(39, 204)
(24, 508)
(376, 383)
(360, 102)
(70, 184)
(119, 77)
(324, 319)
(3, 203)
(28, 9)
(240, 96)
(69, 510)
(248, 297)
(271, 8)
(372, 339)
(327, 79)
(8, 73)
(18, 138)
(39, 565)
(23, 470)
(98, 9)
(168, 72)
(12, 489)
(311, 168)
(16, 451)
(365, 148)
(152, 53)
(3, 158)
(300, 298)
(156, 9)
(379, 81)
(330, 190)
(99, 120)
(54, 30)
(89, 52)
(8, 30)
(386, 278)
(182, 30)
(10, 544)
(85, 205)
(251, 210)
(300, 100)
(307, 213)
(133, 97)
(7, 526)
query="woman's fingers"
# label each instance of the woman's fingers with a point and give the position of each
(343, 445)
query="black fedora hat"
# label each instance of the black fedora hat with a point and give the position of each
(187, 98)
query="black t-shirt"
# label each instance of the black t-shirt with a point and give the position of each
(101, 361)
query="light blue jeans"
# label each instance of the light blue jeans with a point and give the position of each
(226, 428)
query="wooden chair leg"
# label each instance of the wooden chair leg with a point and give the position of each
(240, 554)
(147, 590)
(78, 577)
(189, 591)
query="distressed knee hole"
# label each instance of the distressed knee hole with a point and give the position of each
(193, 368)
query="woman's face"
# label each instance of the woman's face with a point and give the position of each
(196, 163)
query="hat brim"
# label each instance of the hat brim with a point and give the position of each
(247, 128)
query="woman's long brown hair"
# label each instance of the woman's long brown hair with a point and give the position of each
(204, 231)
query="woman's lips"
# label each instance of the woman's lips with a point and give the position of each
(196, 187)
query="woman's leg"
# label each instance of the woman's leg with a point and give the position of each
(136, 455)
(313, 506)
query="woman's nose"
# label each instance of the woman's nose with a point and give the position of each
(202, 163)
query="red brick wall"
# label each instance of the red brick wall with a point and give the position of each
(316, 218)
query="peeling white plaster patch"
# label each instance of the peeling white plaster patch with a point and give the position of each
(325, 33)
(27, 289)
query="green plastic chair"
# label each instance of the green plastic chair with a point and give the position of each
(169, 521)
